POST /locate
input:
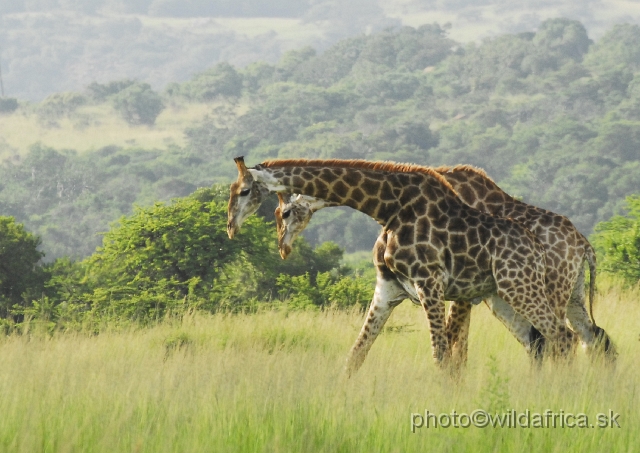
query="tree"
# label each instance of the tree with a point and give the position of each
(8, 105)
(178, 242)
(617, 242)
(99, 92)
(620, 47)
(221, 80)
(138, 104)
(60, 104)
(179, 253)
(21, 275)
(563, 39)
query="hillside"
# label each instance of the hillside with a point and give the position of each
(49, 46)
(96, 126)
(552, 116)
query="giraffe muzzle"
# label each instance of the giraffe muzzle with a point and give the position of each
(285, 250)
(231, 229)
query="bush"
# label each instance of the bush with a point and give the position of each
(169, 252)
(21, 276)
(329, 290)
(617, 242)
(138, 104)
(221, 80)
(60, 104)
(8, 105)
(100, 92)
(171, 258)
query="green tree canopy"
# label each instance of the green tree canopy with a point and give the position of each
(221, 80)
(617, 242)
(138, 104)
(20, 274)
(618, 47)
(175, 253)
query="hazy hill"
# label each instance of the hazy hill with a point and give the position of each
(49, 46)
(552, 115)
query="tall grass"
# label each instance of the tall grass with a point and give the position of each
(273, 381)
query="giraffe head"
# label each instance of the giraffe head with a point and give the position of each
(292, 216)
(245, 196)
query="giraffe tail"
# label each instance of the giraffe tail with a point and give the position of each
(606, 344)
(590, 256)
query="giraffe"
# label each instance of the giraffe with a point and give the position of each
(293, 214)
(565, 248)
(432, 247)
(289, 226)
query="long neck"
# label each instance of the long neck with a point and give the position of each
(314, 204)
(379, 194)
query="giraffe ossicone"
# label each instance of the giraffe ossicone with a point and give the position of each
(432, 246)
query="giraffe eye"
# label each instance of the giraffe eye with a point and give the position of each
(286, 214)
(244, 192)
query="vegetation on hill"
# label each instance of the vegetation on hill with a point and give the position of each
(167, 260)
(553, 117)
(617, 242)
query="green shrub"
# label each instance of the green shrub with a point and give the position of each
(59, 105)
(8, 105)
(221, 80)
(138, 104)
(328, 290)
(617, 242)
(21, 275)
(169, 259)
(99, 92)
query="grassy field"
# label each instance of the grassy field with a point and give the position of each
(91, 127)
(274, 382)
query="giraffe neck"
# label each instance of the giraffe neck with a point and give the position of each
(379, 190)
(314, 204)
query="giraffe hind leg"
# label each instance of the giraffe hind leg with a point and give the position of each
(537, 343)
(604, 345)
(526, 293)
(595, 338)
(527, 335)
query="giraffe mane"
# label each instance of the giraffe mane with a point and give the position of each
(463, 167)
(392, 167)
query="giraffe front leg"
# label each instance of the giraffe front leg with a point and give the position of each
(457, 328)
(388, 294)
(431, 298)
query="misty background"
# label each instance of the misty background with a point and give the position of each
(49, 46)
(112, 104)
